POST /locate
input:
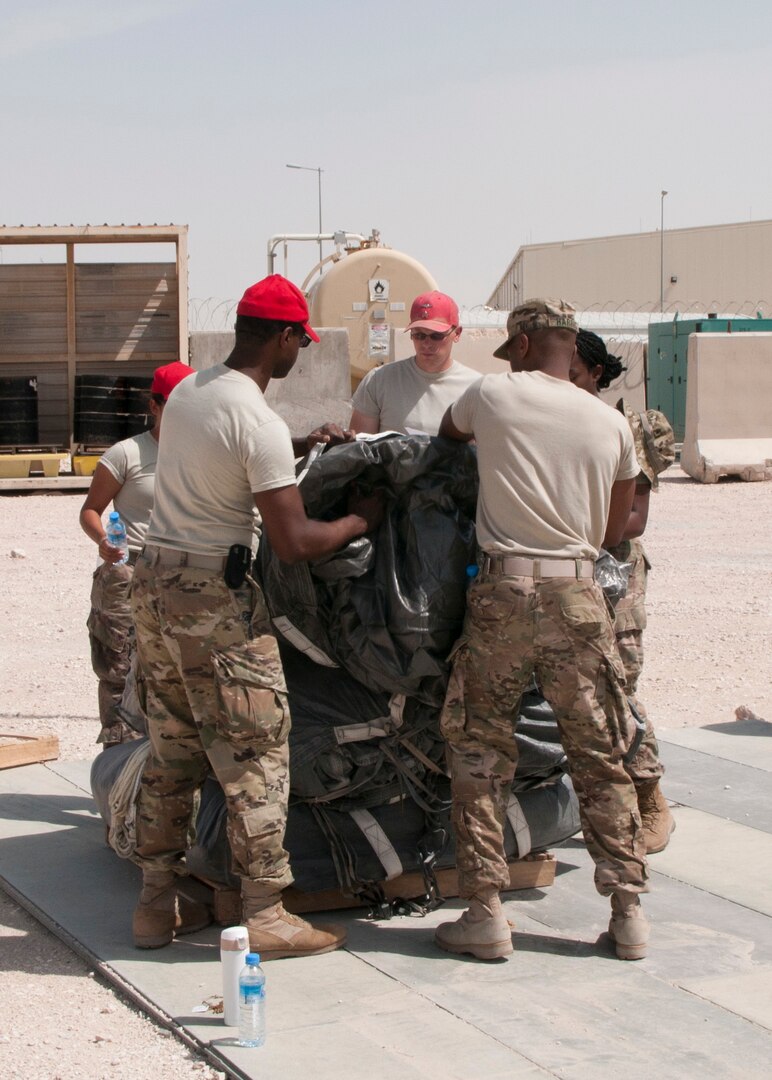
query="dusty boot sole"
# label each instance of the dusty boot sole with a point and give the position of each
(629, 952)
(493, 951)
(156, 942)
(661, 847)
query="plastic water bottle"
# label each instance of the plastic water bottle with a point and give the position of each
(234, 946)
(252, 1003)
(116, 535)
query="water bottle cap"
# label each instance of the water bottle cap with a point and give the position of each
(114, 515)
(252, 958)
(472, 570)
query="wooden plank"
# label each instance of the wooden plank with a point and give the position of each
(91, 234)
(46, 483)
(533, 872)
(27, 749)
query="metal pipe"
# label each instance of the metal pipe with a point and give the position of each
(662, 251)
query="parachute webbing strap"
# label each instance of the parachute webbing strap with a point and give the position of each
(342, 857)
(123, 797)
(431, 802)
(374, 729)
(362, 779)
(520, 826)
(379, 842)
(298, 640)
(397, 709)
(432, 766)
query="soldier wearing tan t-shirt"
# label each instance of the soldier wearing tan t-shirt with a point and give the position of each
(216, 697)
(557, 475)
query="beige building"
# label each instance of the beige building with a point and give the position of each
(725, 268)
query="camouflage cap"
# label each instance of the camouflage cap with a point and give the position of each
(541, 314)
(654, 440)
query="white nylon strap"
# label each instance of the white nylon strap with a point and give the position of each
(517, 820)
(379, 842)
(303, 644)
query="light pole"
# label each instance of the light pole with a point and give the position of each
(662, 251)
(318, 170)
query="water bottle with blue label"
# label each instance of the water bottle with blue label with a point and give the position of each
(116, 535)
(252, 1002)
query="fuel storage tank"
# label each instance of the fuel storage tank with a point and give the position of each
(369, 291)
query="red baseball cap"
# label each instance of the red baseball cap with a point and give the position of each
(276, 298)
(166, 378)
(433, 311)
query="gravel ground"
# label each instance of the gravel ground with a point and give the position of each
(707, 646)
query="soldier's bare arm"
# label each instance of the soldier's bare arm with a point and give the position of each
(104, 487)
(367, 425)
(621, 503)
(448, 429)
(297, 538)
(639, 515)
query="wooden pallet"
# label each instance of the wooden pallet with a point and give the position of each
(532, 872)
(27, 749)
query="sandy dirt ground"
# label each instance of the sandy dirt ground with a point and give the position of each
(708, 647)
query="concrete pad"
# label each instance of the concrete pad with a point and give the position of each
(748, 995)
(394, 1006)
(749, 742)
(720, 857)
(717, 786)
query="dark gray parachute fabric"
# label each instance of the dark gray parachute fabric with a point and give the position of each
(364, 637)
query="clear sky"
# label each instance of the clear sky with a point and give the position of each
(460, 130)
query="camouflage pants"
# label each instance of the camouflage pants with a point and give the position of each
(629, 624)
(559, 630)
(111, 634)
(216, 700)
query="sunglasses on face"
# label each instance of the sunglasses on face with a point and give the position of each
(420, 335)
(305, 341)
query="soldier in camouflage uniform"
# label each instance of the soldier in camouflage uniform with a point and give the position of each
(215, 693)
(593, 370)
(125, 476)
(557, 472)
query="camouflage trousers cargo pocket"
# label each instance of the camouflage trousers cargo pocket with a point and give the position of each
(251, 693)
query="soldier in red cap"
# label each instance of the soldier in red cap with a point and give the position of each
(412, 395)
(216, 697)
(125, 477)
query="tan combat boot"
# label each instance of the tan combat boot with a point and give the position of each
(628, 927)
(482, 931)
(658, 822)
(275, 933)
(161, 914)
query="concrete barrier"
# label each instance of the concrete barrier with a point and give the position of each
(728, 429)
(317, 389)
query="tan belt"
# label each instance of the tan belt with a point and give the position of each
(168, 557)
(519, 566)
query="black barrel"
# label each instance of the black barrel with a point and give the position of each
(136, 398)
(18, 411)
(100, 414)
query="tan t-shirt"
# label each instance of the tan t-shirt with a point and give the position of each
(132, 462)
(403, 397)
(220, 442)
(548, 455)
